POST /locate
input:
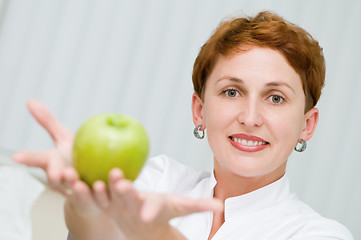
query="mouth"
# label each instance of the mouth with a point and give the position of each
(248, 143)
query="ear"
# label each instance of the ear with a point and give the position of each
(311, 120)
(197, 107)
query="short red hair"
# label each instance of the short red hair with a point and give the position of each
(266, 29)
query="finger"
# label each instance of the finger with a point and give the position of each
(33, 159)
(101, 194)
(55, 169)
(82, 192)
(115, 175)
(81, 201)
(46, 119)
(82, 198)
(50, 161)
(151, 207)
(171, 206)
(184, 205)
(69, 177)
(125, 192)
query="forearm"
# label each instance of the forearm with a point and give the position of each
(95, 227)
(172, 233)
(102, 227)
(155, 231)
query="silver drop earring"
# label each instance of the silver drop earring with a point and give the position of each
(196, 132)
(303, 146)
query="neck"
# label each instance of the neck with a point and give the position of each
(230, 184)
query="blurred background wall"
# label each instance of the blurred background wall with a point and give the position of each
(82, 57)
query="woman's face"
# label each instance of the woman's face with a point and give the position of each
(253, 111)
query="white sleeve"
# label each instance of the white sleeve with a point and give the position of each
(151, 173)
(324, 229)
(165, 175)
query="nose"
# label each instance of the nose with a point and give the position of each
(251, 114)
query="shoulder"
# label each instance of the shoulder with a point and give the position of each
(311, 225)
(164, 174)
(324, 228)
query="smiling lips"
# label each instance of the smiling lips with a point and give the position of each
(248, 143)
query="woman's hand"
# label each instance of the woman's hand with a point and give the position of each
(114, 211)
(56, 162)
(146, 215)
(53, 161)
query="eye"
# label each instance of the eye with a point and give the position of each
(231, 93)
(276, 99)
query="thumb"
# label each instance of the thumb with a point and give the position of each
(48, 121)
(184, 205)
(166, 207)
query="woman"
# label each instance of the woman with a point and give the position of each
(257, 81)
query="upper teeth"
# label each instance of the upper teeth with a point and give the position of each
(249, 142)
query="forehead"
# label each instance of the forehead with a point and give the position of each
(258, 64)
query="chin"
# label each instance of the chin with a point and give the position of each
(250, 169)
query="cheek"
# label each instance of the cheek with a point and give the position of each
(286, 126)
(217, 118)
(218, 115)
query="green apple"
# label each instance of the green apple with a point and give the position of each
(106, 141)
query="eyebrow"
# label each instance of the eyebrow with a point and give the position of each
(233, 79)
(278, 84)
(270, 84)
